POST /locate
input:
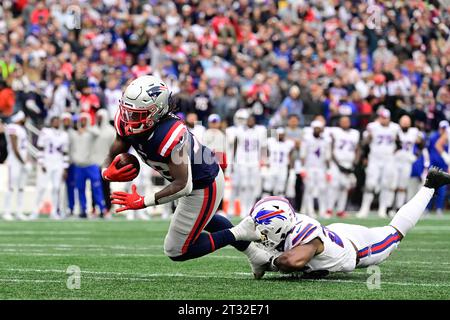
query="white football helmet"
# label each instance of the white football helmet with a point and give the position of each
(143, 103)
(240, 117)
(274, 218)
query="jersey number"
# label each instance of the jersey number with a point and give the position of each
(333, 236)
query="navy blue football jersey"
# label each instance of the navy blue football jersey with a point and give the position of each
(156, 145)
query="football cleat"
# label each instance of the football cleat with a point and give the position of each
(258, 259)
(246, 230)
(436, 178)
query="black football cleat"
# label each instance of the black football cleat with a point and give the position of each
(437, 178)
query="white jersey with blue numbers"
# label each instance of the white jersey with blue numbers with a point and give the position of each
(315, 151)
(383, 143)
(408, 140)
(250, 142)
(345, 143)
(279, 152)
(54, 144)
(338, 255)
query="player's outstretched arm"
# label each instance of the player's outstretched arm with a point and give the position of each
(297, 258)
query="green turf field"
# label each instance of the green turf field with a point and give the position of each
(125, 260)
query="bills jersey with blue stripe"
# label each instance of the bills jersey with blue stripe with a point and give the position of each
(338, 254)
(155, 149)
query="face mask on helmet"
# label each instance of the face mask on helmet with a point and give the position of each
(274, 219)
(143, 104)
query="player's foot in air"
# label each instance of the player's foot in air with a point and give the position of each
(246, 230)
(436, 178)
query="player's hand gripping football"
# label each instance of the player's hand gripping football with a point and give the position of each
(126, 173)
(128, 201)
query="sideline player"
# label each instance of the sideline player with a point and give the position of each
(299, 243)
(411, 143)
(345, 152)
(381, 174)
(250, 148)
(16, 137)
(163, 142)
(315, 156)
(53, 160)
(280, 163)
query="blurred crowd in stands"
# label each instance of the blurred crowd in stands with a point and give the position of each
(277, 58)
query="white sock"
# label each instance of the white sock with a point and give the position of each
(20, 195)
(367, 201)
(386, 199)
(332, 197)
(342, 200)
(55, 201)
(408, 215)
(401, 199)
(251, 250)
(7, 202)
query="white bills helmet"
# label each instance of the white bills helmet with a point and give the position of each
(274, 218)
(144, 102)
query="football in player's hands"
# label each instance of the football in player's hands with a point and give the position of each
(126, 159)
(124, 167)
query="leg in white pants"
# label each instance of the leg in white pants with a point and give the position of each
(388, 185)
(376, 244)
(191, 216)
(56, 180)
(404, 176)
(373, 176)
(17, 180)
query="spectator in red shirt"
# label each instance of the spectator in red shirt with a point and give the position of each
(40, 14)
(89, 102)
(141, 68)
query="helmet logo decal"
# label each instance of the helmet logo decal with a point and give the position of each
(266, 216)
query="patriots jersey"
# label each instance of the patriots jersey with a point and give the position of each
(155, 148)
(338, 252)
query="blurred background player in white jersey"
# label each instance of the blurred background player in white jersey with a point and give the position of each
(249, 150)
(381, 174)
(411, 143)
(239, 122)
(280, 162)
(53, 161)
(16, 137)
(315, 155)
(345, 153)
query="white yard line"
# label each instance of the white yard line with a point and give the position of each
(44, 232)
(244, 275)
